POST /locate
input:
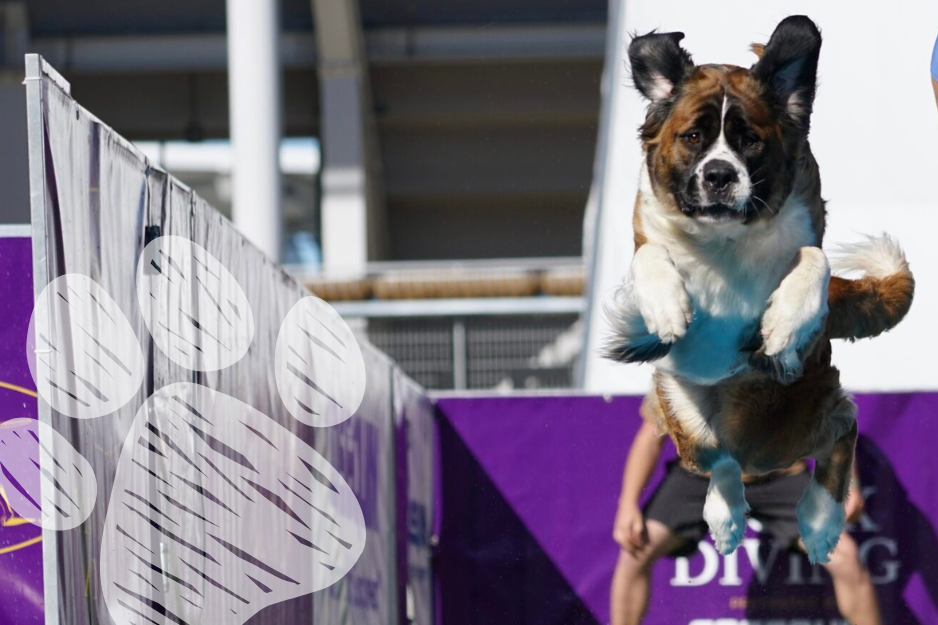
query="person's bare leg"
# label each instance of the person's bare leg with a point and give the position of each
(856, 597)
(631, 583)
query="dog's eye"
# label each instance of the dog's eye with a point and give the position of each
(751, 141)
(692, 138)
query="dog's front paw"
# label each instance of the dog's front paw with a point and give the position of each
(630, 340)
(794, 318)
(726, 520)
(659, 295)
(820, 522)
(665, 307)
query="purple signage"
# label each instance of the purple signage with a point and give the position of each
(20, 541)
(414, 430)
(361, 450)
(529, 490)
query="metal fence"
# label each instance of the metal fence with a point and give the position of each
(481, 352)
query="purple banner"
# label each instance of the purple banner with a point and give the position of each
(362, 450)
(414, 426)
(528, 496)
(20, 541)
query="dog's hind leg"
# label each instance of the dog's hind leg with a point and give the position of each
(821, 509)
(725, 508)
(686, 411)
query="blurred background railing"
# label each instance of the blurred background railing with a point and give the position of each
(478, 324)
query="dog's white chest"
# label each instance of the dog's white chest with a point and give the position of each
(726, 318)
(729, 284)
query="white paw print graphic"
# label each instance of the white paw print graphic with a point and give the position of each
(87, 361)
(45, 480)
(231, 493)
(320, 371)
(194, 309)
(216, 511)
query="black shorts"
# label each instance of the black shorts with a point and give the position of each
(679, 500)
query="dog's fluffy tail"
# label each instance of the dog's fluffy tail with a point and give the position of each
(629, 340)
(871, 290)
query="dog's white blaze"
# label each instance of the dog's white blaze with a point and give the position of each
(722, 151)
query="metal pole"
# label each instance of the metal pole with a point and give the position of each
(460, 355)
(254, 104)
(38, 71)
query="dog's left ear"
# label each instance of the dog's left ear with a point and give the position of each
(659, 64)
(788, 66)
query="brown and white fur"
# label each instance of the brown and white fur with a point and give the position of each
(729, 293)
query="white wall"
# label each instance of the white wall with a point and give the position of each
(874, 133)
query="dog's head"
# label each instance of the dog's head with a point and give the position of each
(722, 142)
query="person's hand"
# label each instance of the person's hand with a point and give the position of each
(854, 506)
(629, 529)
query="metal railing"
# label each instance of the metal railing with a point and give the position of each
(482, 351)
(503, 342)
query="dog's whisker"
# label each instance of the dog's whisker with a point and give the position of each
(755, 208)
(764, 203)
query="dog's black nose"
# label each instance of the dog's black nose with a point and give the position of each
(718, 175)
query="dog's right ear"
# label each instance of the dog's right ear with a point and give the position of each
(788, 66)
(659, 64)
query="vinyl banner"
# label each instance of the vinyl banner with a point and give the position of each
(20, 541)
(529, 493)
(102, 204)
(362, 450)
(414, 424)
(233, 482)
